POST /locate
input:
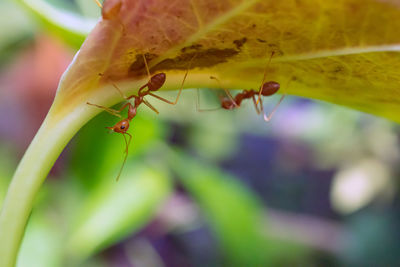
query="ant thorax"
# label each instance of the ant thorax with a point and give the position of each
(132, 111)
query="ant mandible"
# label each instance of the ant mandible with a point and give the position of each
(266, 89)
(154, 84)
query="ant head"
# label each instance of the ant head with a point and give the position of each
(120, 127)
(156, 81)
(270, 88)
(227, 103)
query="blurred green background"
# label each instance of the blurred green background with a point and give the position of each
(317, 186)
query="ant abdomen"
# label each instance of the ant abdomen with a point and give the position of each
(156, 81)
(270, 88)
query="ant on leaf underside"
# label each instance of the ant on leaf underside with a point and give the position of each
(231, 102)
(134, 101)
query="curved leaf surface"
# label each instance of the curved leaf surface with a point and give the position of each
(345, 52)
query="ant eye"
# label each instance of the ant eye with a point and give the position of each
(122, 127)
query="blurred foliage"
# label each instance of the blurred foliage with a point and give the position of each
(235, 215)
(69, 20)
(15, 30)
(112, 212)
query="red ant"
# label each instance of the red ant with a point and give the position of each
(154, 84)
(267, 89)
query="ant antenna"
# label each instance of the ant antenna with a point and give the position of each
(180, 90)
(98, 3)
(126, 154)
(265, 75)
(226, 90)
(184, 79)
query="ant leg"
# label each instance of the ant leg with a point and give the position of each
(265, 75)
(147, 67)
(98, 3)
(146, 103)
(109, 110)
(115, 86)
(180, 90)
(150, 106)
(256, 105)
(126, 154)
(177, 97)
(198, 109)
(119, 91)
(226, 91)
(269, 117)
(148, 76)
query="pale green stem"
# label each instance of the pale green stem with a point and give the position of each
(30, 174)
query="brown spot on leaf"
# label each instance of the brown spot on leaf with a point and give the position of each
(138, 65)
(239, 43)
(202, 59)
(261, 40)
(195, 47)
(338, 69)
(275, 48)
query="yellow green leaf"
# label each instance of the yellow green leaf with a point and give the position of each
(345, 52)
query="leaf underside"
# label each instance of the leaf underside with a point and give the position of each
(342, 51)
